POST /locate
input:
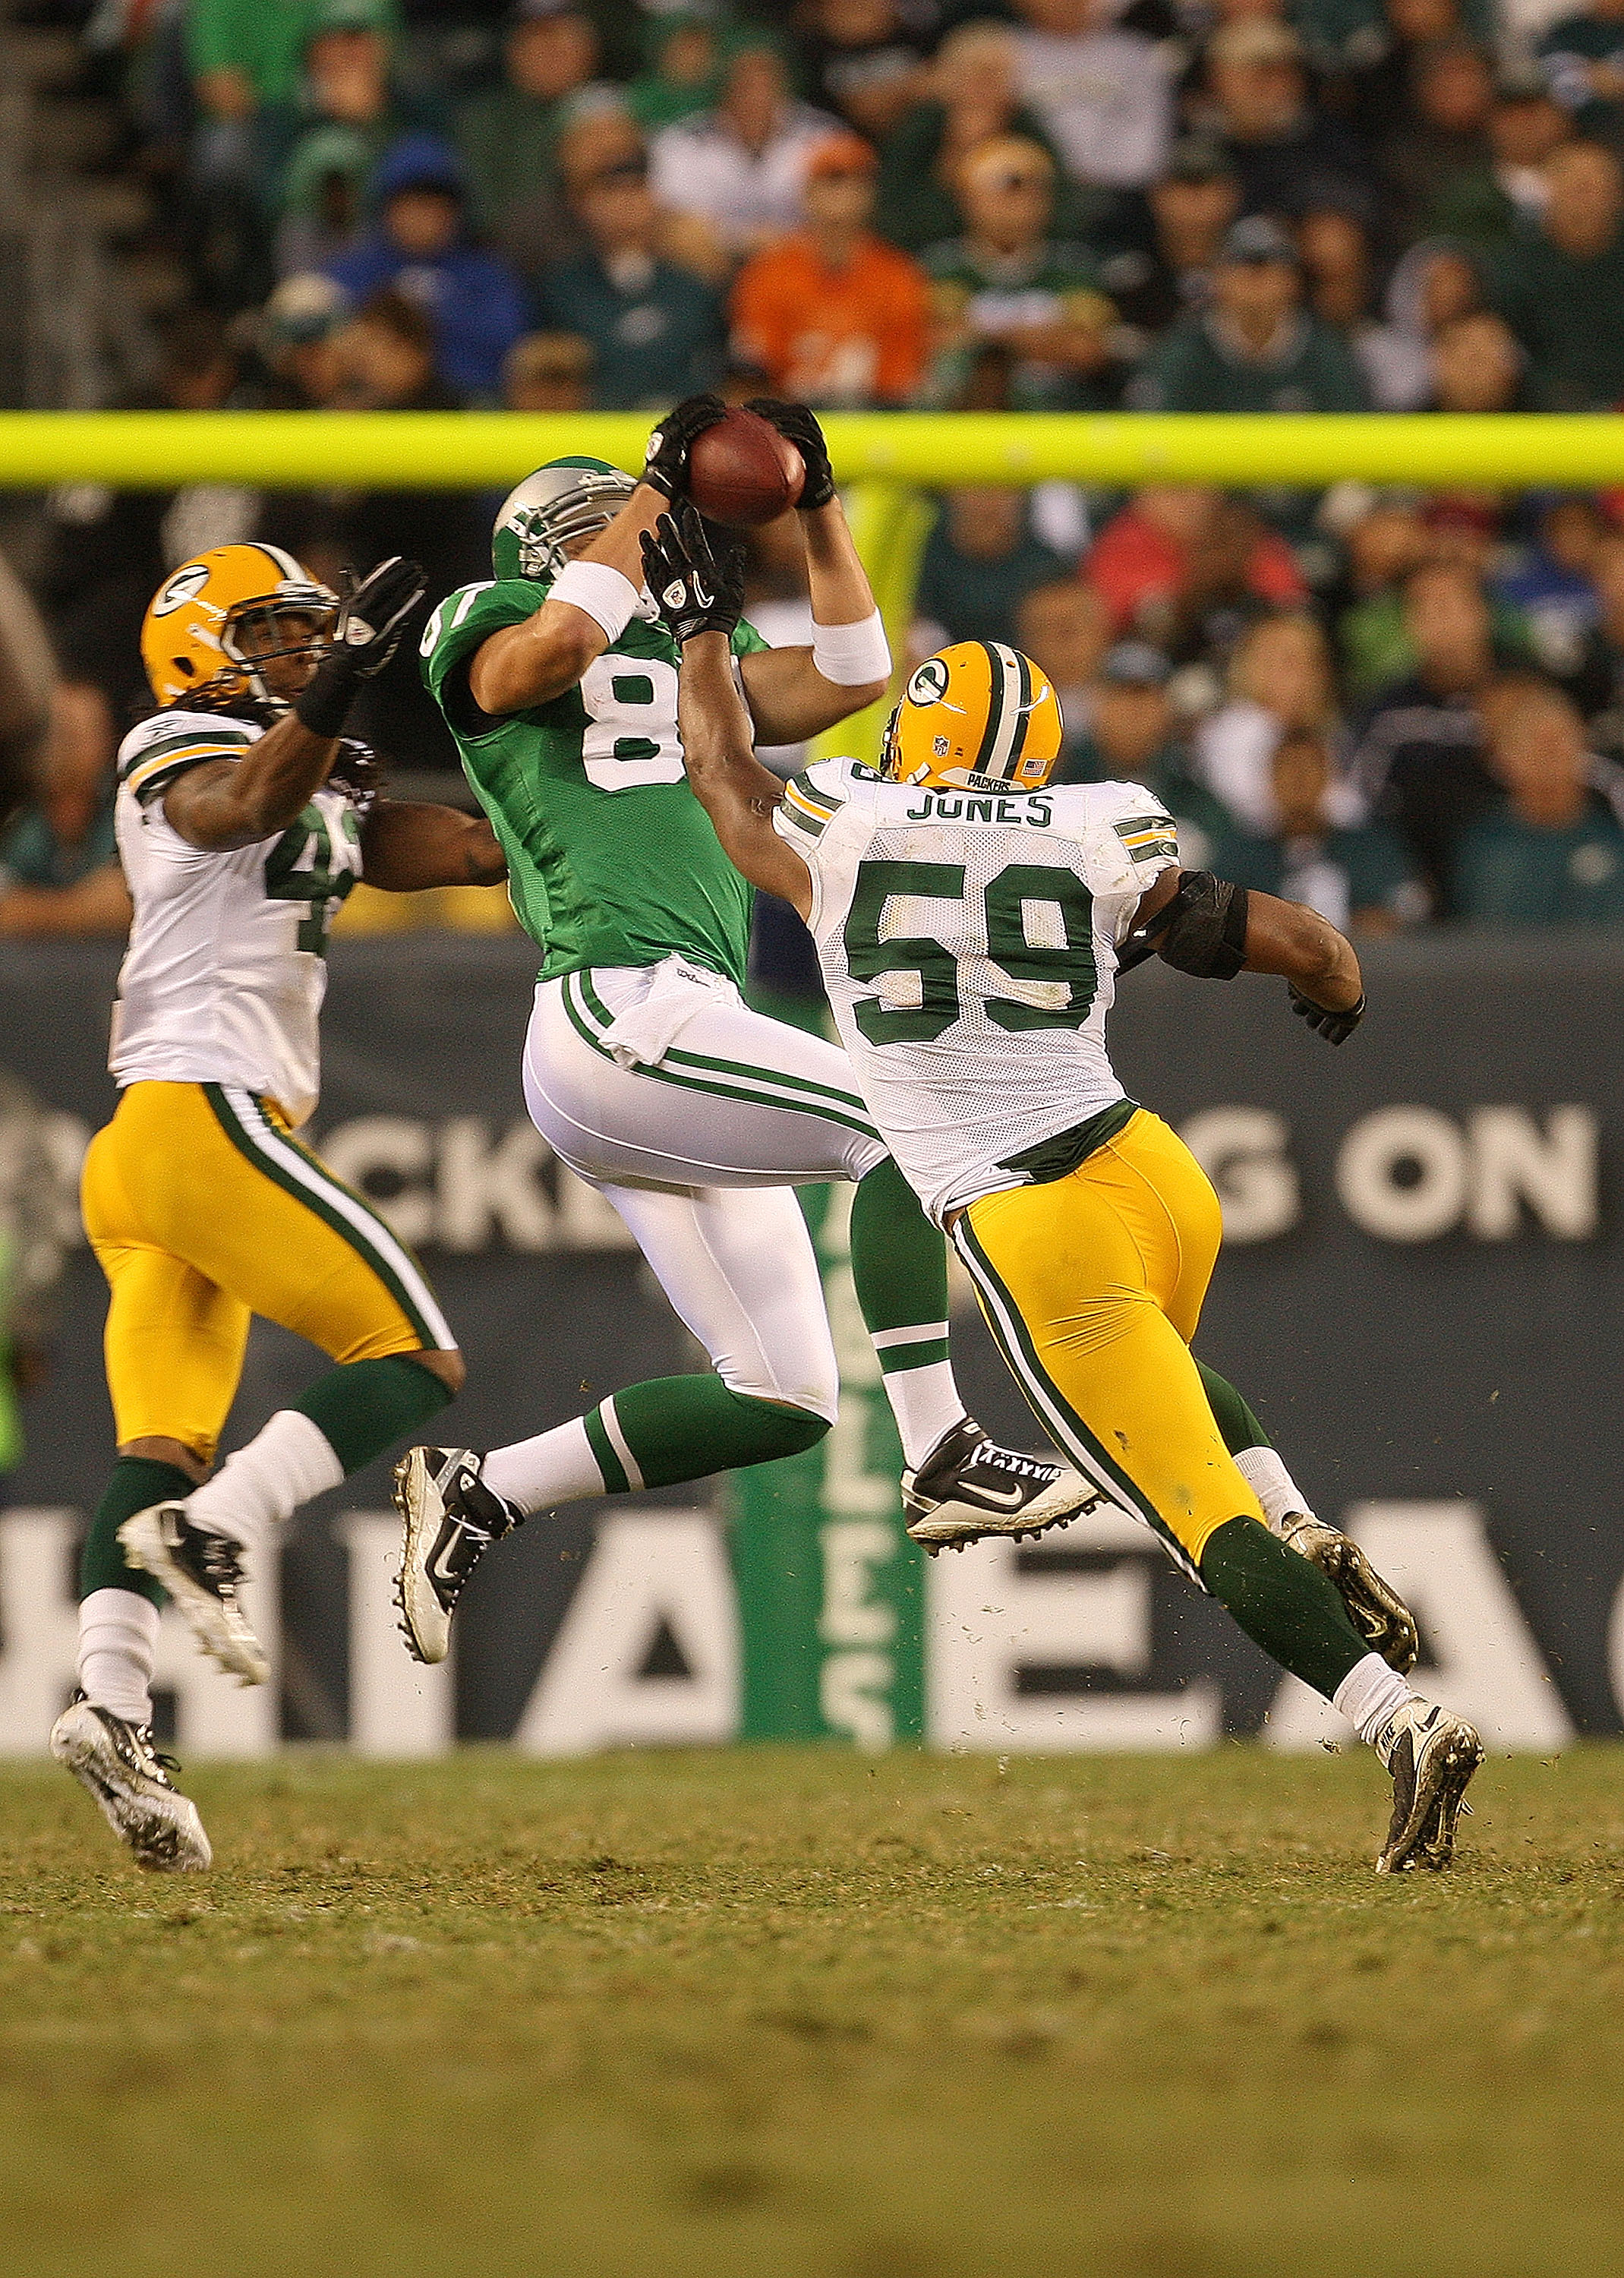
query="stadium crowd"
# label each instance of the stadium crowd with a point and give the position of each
(1402, 707)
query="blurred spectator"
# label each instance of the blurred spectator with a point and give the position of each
(833, 315)
(1151, 562)
(1382, 543)
(1484, 206)
(655, 331)
(324, 199)
(1191, 208)
(349, 109)
(1102, 90)
(385, 357)
(1357, 875)
(741, 167)
(297, 329)
(420, 247)
(981, 562)
(1420, 758)
(1549, 850)
(1128, 732)
(1281, 683)
(972, 99)
(1476, 365)
(1441, 142)
(548, 371)
(60, 873)
(684, 69)
(509, 135)
(1379, 89)
(1559, 285)
(1256, 348)
(1583, 59)
(1551, 581)
(246, 56)
(1290, 156)
(1336, 258)
(27, 680)
(1066, 630)
(865, 59)
(1597, 682)
(1007, 282)
(39, 1219)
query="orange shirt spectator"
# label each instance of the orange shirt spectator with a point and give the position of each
(833, 315)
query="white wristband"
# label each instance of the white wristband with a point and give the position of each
(850, 654)
(609, 599)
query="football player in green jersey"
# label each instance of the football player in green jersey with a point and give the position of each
(643, 1067)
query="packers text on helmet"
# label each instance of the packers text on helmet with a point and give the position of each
(216, 620)
(977, 715)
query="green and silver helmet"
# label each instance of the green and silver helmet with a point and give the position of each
(561, 502)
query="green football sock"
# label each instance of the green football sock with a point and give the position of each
(683, 1427)
(1283, 1604)
(1240, 1428)
(363, 1405)
(137, 1483)
(899, 1270)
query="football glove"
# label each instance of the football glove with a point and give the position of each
(694, 590)
(1336, 1027)
(799, 426)
(371, 618)
(665, 466)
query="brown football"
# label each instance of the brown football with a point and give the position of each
(742, 471)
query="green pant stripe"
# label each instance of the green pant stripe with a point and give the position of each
(897, 1359)
(243, 1139)
(593, 1004)
(1014, 1339)
(614, 1478)
(802, 1105)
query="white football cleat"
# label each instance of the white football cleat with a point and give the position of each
(202, 1572)
(131, 1781)
(1431, 1754)
(451, 1519)
(969, 1487)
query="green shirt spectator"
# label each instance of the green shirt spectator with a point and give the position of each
(1124, 731)
(1256, 348)
(1355, 874)
(261, 43)
(684, 71)
(1559, 285)
(1583, 60)
(981, 561)
(508, 137)
(1551, 851)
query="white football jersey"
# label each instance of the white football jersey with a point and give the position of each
(968, 942)
(226, 972)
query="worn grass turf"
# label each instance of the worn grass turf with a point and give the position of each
(787, 2012)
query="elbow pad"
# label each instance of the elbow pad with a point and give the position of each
(1205, 932)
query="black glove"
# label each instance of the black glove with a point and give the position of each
(799, 426)
(665, 466)
(371, 617)
(1336, 1027)
(694, 593)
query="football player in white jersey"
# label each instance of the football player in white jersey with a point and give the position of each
(243, 821)
(968, 918)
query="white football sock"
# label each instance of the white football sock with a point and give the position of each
(556, 1466)
(1370, 1694)
(1272, 1484)
(926, 1404)
(117, 1645)
(264, 1483)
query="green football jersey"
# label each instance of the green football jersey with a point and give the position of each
(611, 859)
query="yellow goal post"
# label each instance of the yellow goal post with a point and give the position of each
(883, 460)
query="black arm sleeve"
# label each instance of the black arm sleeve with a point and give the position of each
(1203, 928)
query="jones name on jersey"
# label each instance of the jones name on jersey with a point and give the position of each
(968, 941)
(226, 972)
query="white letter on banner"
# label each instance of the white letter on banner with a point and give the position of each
(397, 1706)
(398, 1144)
(986, 1620)
(1372, 1153)
(649, 1569)
(481, 1185)
(39, 1621)
(1242, 1150)
(1486, 1662)
(1553, 1171)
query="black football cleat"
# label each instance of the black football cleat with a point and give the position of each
(451, 1519)
(202, 1572)
(969, 1487)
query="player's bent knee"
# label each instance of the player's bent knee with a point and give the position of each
(450, 1367)
(797, 1428)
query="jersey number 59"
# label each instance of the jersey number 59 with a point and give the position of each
(953, 969)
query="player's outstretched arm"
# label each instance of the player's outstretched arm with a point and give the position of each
(530, 664)
(406, 847)
(797, 693)
(700, 599)
(1207, 926)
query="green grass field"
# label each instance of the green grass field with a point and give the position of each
(787, 2012)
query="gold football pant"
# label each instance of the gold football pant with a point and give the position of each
(1092, 1286)
(203, 1211)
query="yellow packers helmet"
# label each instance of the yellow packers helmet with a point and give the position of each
(191, 636)
(975, 716)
